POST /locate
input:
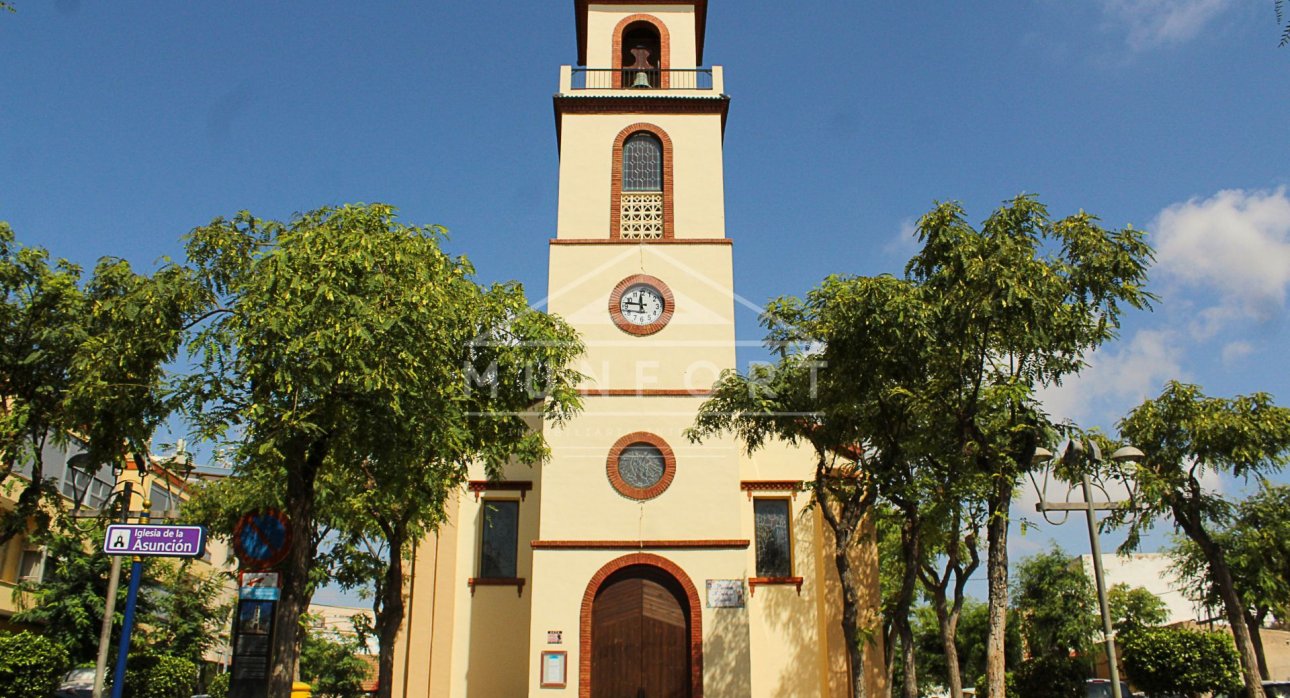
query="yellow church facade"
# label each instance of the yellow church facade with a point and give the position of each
(635, 563)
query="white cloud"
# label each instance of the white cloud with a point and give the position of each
(1117, 379)
(1235, 244)
(904, 243)
(1234, 352)
(1153, 23)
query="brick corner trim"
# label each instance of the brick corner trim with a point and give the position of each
(696, 618)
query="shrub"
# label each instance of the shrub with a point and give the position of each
(1176, 660)
(218, 686)
(1052, 677)
(30, 665)
(1009, 685)
(160, 676)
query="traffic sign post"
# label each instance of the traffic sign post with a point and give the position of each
(261, 540)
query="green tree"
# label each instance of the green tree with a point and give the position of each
(1055, 601)
(1186, 434)
(337, 361)
(932, 378)
(1256, 546)
(331, 665)
(68, 603)
(1016, 305)
(1170, 661)
(190, 613)
(952, 556)
(1135, 607)
(81, 357)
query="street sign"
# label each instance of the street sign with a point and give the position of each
(155, 540)
(262, 539)
(260, 593)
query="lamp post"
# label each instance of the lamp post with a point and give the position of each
(1093, 454)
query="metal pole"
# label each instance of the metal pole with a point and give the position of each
(136, 576)
(109, 604)
(1101, 588)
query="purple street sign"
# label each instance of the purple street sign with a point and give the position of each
(156, 541)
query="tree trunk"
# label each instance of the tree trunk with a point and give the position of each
(910, 685)
(997, 578)
(1232, 605)
(911, 545)
(1255, 624)
(296, 591)
(949, 630)
(390, 619)
(844, 522)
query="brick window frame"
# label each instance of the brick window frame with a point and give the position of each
(696, 618)
(625, 488)
(616, 310)
(616, 180)
(664, 47)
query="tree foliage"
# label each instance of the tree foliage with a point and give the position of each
(1186, 434)
(1135, 607)
(1179, 661)
(68, 603)
(355, 368)
(1055, 601)
(932, 378)
(84, 357)
(160, 676)
(1281, 19)
(30, 665)
(1256, 546)
(331, 665)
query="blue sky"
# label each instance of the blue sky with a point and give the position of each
(125, 124)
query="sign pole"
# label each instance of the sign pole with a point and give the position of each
(109, 604)
(127, 626)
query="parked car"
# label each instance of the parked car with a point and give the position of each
(1101, 688)
(78, 683)
(1276, 689)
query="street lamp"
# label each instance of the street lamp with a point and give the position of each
(1090, 452)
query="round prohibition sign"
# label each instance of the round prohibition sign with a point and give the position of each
(262, 539)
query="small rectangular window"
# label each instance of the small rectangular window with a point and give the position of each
(500, 539)
(32, 566)
(774, 544)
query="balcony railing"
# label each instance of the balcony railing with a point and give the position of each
(636, 79)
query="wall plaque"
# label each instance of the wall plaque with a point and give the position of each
(725, 593)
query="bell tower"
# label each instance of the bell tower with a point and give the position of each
(635, 562)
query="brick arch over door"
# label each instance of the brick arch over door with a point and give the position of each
(664, 47)
(696, 618)
(616, 180)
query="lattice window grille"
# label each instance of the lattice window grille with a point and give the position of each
(642, 216)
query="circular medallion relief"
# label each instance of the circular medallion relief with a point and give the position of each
(641, 305)
(640, 466)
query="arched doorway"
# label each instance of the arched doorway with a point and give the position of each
(641, 632)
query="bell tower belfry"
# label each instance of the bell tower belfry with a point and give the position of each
(634, 562)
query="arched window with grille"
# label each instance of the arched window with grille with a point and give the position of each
(641, 200)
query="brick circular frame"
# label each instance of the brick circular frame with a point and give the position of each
(664, 48)
(696, 618)
(625, 488)
(616, 311)
(616, 181)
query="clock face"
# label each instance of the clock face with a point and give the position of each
(641, 304)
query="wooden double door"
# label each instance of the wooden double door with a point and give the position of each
(640, 636)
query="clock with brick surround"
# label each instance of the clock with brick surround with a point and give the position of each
(641, 305)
